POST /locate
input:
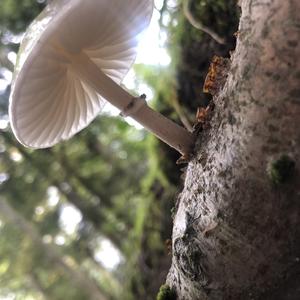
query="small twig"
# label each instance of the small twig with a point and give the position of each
(182, 116)
(197, 24)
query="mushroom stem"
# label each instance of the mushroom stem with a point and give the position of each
(136, 107)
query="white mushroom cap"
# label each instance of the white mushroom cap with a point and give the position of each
(49, 101)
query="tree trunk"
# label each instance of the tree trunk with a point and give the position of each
(236, 231)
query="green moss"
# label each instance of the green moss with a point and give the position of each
(281, 170)
(166, 293)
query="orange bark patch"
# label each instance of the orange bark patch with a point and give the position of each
(216, 75)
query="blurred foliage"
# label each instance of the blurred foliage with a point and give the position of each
(91, 173)
(17, 15)
(110, 184)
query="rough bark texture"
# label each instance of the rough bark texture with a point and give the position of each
(236, 231)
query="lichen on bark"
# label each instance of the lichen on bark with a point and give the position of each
(236, 234)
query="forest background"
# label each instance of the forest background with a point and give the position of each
(91, 218)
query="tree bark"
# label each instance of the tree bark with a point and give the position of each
(236, 231)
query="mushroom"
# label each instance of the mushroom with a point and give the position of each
(71, 61)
